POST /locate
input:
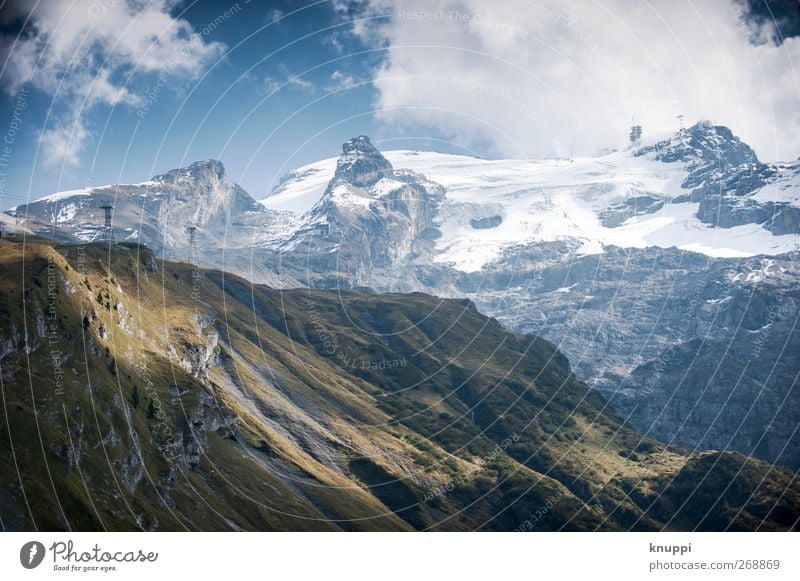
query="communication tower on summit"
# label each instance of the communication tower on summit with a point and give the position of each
(636, 131)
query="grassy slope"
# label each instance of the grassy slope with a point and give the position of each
(316, 410)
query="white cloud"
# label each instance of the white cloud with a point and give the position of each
(340, 80)
(301, 84)
(334, 40)
(550, 77)
(289, 79)
(59, 142)
(273, 16)
(271, 84)
(87, 52)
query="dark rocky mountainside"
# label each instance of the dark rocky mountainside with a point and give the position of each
(697, 351)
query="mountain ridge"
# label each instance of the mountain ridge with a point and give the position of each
(557, 248)
(264, 421)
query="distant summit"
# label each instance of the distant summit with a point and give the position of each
(198, 169)
(361, 164)
(157, 211)
(703, 144)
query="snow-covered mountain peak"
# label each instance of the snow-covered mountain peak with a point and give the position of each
(364, 184)
(700, 145)
(701, 189)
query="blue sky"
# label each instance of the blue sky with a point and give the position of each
(227, 111)
(115, 91)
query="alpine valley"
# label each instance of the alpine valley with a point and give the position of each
(411, 340)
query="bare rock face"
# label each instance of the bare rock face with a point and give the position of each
(705, 148)
(361, 164)
(486, 222)
(697, 351)
(617, 214)
(369, 225)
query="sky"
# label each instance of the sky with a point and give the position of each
(116, 91)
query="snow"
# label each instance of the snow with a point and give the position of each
(540, 200)
(385, 186)
(721, 301)
(59, 196)
(686, 232)
(565, 289)
(66, 212)
(785, 188)
(87, 232)
(550, 200)
(345, 196)
(299, 194)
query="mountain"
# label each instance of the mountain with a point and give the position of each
(157, 212)
(732, 187)
(147, 394)
(701, 190)
(368, 225)
(666, 272)
(690, 349)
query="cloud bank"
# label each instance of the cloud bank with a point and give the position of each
(552, 77)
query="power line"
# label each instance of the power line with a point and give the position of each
(191, 228)
(108, 230)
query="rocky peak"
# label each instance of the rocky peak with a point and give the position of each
(361, 164)
(701, 145)
(199, 170)
(204, 190)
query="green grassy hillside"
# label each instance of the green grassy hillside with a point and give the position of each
(140, 394)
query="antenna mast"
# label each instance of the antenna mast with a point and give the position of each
(636, 131)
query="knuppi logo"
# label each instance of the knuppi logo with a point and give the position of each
(31, 554)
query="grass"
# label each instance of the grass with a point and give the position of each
(299, 420)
